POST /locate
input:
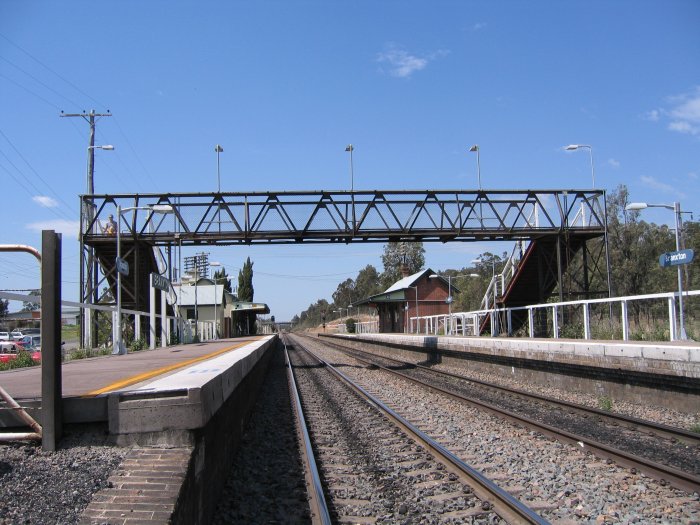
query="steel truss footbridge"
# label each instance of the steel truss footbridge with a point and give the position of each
(561, 221)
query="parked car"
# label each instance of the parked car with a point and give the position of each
(5, 336)
(30, 341)
(9, 351)
(17, 334)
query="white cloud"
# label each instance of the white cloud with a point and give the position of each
(614, 163)
(687, 107)
(654, 115)
(478, 26)
(402, 64)
(46, 202)
(683, 113)
(654, 184)
(693, 175)
(682, 126)
(65, 227)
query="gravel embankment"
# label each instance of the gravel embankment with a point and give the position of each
(40, 487)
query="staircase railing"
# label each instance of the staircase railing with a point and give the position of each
(497, 285)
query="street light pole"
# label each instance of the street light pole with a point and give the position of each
(417, 314)
(216, 300)
(475, 148)
(351, 148)
(218, 150)
(449, 293)
(676, 207)
(574, 147)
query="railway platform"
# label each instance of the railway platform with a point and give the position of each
(170, 390)
(641, 371)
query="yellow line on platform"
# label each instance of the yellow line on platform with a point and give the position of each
(159, 371)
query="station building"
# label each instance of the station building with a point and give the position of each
(420, 294)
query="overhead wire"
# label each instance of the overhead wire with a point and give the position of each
(52, 71)
(33, 170)
(39, 81)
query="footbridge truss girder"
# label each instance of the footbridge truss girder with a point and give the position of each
(229, 218)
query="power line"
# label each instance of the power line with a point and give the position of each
(33, 170)
(30, 91)
(39, 81)
(133, 150)
(51, 70)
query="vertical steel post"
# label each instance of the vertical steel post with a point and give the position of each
(51, 387)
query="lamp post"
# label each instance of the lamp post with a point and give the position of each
(574, 147)
(417, 316)
(90, 166)
(216, 300)
(449, 299)
(676, 207)
(156, 208)
(350, 148)
(475, 148)
(218, 150)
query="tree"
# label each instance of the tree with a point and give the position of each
(245, 282)
(245, 322)
(344, 295)
(221, 277)
(28, 306)
(367, 283)
(4, 308)
(410, 255)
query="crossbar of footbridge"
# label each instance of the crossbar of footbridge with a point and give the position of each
(347, 216)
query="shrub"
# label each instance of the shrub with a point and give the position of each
(80, 353)
(138, 345)
(350, 325)
(22, 360)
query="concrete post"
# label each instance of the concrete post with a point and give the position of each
(51, 385)
(163, 320)
(152, 319)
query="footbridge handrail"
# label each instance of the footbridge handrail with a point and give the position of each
(348, 216)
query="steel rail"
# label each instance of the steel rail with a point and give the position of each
(665, 431)
(317, 501)
(502, 503)
(678, 478)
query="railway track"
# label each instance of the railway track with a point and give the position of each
(375, 466)
(668, 454)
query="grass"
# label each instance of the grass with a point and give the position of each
(605, 403)
(69, 332)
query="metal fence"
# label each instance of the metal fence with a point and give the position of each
(615, 310)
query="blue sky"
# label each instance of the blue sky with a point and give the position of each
(285, 86)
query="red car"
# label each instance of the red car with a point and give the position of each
(9, 351)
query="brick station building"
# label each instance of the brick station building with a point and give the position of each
(421, 294)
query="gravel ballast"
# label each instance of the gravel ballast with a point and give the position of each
(562, 482)
(54, 487)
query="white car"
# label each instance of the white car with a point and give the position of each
(17, 334)
(5, 336)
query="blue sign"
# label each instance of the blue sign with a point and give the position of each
(122, 266)
(676, 258)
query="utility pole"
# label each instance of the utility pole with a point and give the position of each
(88, 265)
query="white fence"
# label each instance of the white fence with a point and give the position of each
(468, 323)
